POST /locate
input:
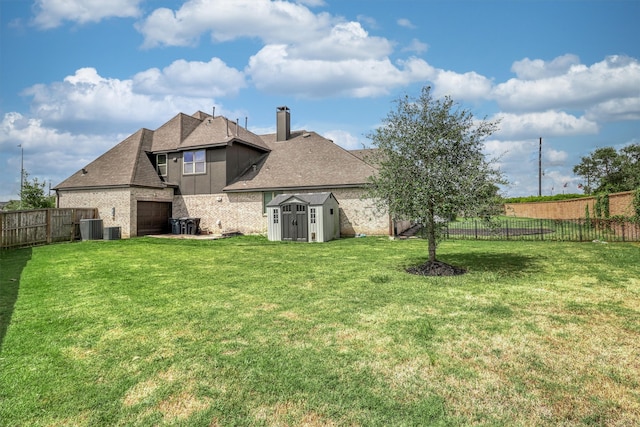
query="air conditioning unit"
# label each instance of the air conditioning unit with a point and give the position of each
(91, 229)
(112, 233)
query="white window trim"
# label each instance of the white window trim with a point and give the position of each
(194, 163)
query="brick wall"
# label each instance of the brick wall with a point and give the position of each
(121, 201)
(228, 212)
(219, 213)
(224, 212)
(619, 204)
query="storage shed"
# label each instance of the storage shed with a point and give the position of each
(308, 217)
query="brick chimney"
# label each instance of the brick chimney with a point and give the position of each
(283, 123)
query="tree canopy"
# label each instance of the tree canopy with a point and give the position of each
(32, 195)
(610, 171)
(431, 164)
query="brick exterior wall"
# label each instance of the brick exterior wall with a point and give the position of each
(124, 200)
(619, 204)
(229, 212)
(219, 213)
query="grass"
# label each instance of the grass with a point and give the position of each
(249, 332)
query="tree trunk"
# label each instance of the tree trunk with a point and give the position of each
(431, 235)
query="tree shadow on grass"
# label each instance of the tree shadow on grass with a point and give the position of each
(12, 262)
(499, 263)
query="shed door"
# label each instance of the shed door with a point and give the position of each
(153, 218)
(294, 222)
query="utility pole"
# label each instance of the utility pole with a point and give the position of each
(21, 173)
(540, 168)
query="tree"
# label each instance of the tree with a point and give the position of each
(431, 165)
(610, 171)
(32, 195)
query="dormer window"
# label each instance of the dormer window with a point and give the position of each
(193, 162)
(161, 164)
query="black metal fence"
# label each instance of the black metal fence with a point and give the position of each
(576, 230)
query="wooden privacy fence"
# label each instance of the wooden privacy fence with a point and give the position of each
(574, 230)
(42, 226)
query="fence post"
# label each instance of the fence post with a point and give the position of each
(49, 225)
(541, 231)
(622, 226)
(475, 224)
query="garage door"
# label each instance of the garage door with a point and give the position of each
(153, 218)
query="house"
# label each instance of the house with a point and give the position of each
(213, 169)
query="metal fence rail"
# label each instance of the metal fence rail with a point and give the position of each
(576, 230)
(41, 226)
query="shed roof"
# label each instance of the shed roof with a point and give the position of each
(309, 198)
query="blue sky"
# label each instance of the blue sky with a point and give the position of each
(78, 76)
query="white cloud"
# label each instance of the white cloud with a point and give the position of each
(404, 22)
(344, 139)
(88, 100)
(536, 69)
(346, 40)
(578, 87)
(51, 13)
(416, 46)
(466, 86)
(273, 71)
(518, 159)
(547, 124)
(195, 78)
(273, 22)
(555, 157)
(49, 154)
(620, 109)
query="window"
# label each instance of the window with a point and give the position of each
(266, 198)
(193, 162)
(161, 164)
(312, 215)
(275, 216)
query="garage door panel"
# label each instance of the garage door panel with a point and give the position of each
(153, 218)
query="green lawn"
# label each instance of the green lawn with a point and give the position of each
(244, 331)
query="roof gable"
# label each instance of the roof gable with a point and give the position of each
(220, 130)
(170, 135)
(306, 160)
(125, 164)
(305, 198)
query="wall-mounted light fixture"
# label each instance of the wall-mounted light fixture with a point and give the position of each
(113, 212)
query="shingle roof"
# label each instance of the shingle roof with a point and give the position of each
(310, 198)
(201, 130)
(306, 160)
(128, 164)
(125, 164)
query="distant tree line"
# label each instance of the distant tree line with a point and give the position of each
(607, 170)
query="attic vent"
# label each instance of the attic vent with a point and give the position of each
(306, 135)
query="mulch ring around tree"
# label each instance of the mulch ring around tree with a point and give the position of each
(436, 268)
